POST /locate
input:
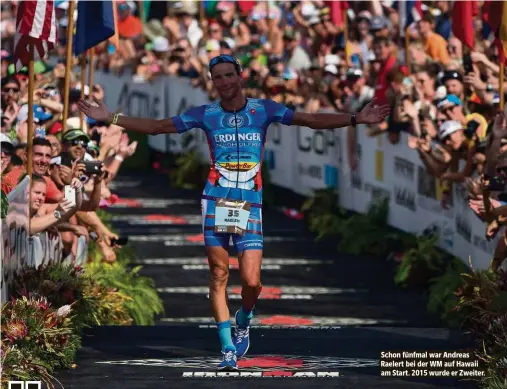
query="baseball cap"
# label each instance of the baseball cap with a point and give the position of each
(224, 6)
(451, 75)
(74, 134)
(212, 45)
(449, 100)
(6, 142)
(449, 127)
(379, 22)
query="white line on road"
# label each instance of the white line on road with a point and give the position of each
(265, 289)
(151, 203)
(286, 321)
(202, 260)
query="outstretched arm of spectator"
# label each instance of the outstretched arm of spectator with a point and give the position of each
(370, 114)
(48, 218)
(100, 112)
(93, 203)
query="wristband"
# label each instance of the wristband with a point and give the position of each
(119, 158)
(353, 119)
(115, 118)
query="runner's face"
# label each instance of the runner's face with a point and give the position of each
(226, 80)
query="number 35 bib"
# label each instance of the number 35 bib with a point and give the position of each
(231, 216)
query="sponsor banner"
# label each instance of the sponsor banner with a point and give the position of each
(302, 160)
(15, 249)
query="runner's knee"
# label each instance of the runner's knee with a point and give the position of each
(251, 282)
(219, 274)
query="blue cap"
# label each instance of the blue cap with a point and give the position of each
(40, 115)
(450, 100)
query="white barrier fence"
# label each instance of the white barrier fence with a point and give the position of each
(304, 160)
(19, 249)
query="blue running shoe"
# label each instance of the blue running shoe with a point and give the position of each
(241, 338)
(229, 361)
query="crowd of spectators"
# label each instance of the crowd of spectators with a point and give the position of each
(300, 53)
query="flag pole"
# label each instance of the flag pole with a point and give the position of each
(83, 83)
(29, 145)
(91, 68)
(407, 50)
(68, 65)
(501, 87)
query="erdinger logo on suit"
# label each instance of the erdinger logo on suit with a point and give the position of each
(463, 228)
(355, 176)
(404, 169)
(404, 198)
(317, 141)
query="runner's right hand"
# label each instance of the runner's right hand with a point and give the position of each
(98, 112)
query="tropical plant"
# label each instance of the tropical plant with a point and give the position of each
(442, 296)
(324, 213)
(140, 297)
(189, 172)
(368, 233)
(41, 333)
(483, 301)
(4, 206)
(420, 263)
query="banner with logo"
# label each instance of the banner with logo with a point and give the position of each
(303, 160)
(14, 235)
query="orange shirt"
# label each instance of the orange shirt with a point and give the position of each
(11, 179)
(436, 48)
(130, 27)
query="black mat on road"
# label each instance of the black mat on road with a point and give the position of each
(318, 325)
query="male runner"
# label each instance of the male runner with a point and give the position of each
(236, 129)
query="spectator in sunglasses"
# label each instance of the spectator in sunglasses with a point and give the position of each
(75, 142)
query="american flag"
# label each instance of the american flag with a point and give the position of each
(35, 23)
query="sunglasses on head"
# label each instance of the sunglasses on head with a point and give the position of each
(224, 58)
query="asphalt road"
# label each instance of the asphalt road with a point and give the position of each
(322, 322)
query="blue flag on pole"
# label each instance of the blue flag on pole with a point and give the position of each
(95, 24)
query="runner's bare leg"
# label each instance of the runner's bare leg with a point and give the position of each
(250, 272)
(218, 259)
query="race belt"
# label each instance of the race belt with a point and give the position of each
(231, 216)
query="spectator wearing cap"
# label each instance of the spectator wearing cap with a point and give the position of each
(452, 107)
(294, 55)
(361, 93)
(129, 26)
(75, 142)
(453, 82)
(380, 27)
(434, 45)
(7, 151)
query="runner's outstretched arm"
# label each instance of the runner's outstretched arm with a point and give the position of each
(101, 113)
(370, 114)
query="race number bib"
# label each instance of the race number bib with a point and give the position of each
(231, 216)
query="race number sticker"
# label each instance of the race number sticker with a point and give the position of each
(231, 216)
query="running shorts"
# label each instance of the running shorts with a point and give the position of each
(251, 240)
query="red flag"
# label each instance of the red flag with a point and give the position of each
(494, 13)
(35, 23)
(462, 22)
(336, 11)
